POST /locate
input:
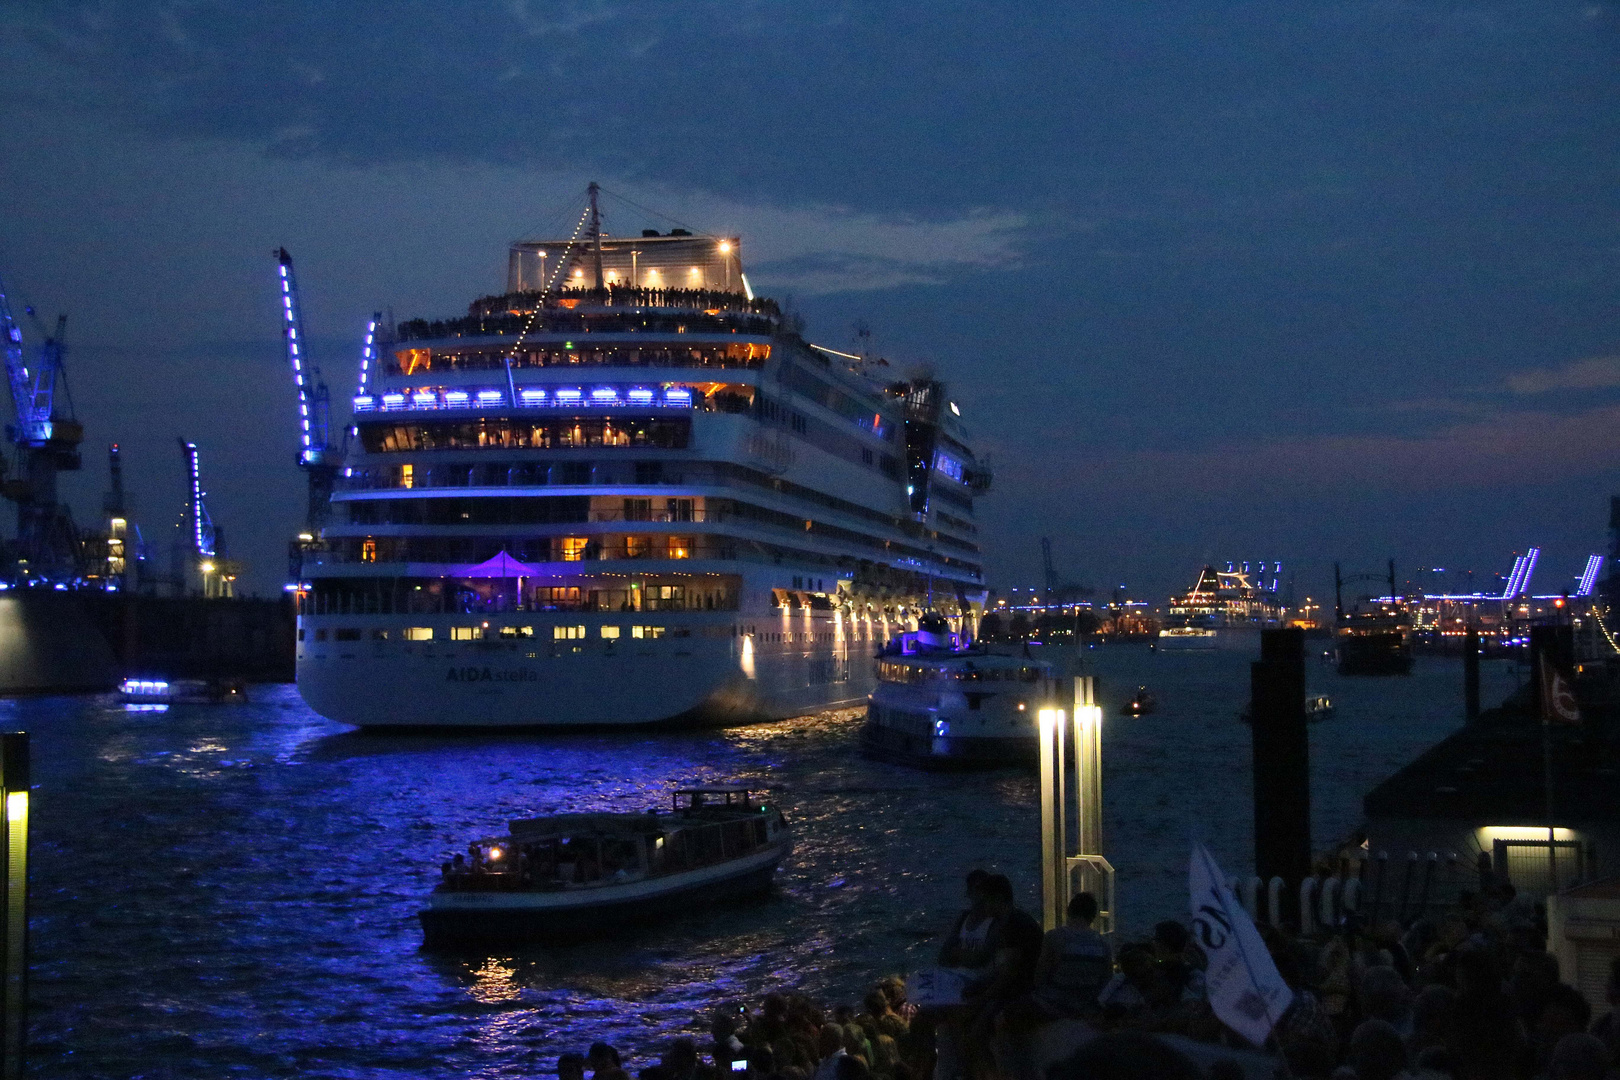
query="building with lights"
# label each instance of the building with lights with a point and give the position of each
(627, 491)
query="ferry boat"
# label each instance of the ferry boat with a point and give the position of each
(627, 491)
(944, 702)
(1223, 609)
(571, 876)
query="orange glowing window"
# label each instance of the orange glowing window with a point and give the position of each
(368, 551)
(413, 360)
(680, 547)
(570, 548)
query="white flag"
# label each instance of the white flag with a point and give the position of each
(1245, 990)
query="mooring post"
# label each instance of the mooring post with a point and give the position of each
(14, 987)
(1282, 780)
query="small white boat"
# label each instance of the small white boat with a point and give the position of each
(945, 703)
(1187, 639)
(1317, 709)
(571, 876)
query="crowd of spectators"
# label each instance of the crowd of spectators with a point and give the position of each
(1469, 993)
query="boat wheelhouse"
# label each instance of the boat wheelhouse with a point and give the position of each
(575, 875)
(627, 491)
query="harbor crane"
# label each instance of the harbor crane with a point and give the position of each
(317, 455)
(46, 437)
(204, 545)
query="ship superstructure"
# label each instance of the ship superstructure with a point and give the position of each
(1222, 607)
(626, 491)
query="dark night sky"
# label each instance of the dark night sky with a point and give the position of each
(1304, 280)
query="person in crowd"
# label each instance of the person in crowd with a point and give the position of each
(1124, 998)
(1579, 1056)
(1485, 1038)
(964, 945)
(1074, 965)
(1431, 1018)
(1385, 996)
(571, 1067)
(1376, 1052)
(829, 1049)
(1607, 1027)
(1564, 1011)
(1126, 1055)
(680, 1061)
(601, 1058)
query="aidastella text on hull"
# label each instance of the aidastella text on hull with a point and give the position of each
(627, 491)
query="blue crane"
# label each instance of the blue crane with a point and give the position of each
(317, 455)
(47, 442)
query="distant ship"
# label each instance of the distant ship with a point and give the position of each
(1223, 609)
(624, 492)
(1375, 640)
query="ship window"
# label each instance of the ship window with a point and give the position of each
(637, 547)
(407, 476)
(300, 633)
(466, 633)
(320, 635)
(567, 633)
(571, 548)
(346, 634)
(646, 631)
(379, 635)
(610, 632)
(419, 633)
(680, 547)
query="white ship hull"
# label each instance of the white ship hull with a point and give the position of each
(793, 663)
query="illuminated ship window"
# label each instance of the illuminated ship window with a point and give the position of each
(567, 633)
(418, 633)
(610, 632)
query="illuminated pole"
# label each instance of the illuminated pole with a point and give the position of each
(1053, 864)
(1096, 874)
(14, 989)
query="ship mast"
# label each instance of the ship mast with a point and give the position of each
(596, 233)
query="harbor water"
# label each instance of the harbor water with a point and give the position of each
(232, 890)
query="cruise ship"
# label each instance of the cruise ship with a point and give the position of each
(1223, 609)
(628, 492)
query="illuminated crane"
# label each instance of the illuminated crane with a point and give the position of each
(205, 542)
(47, 442)
(317, 455)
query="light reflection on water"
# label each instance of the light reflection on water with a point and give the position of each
(233, 889)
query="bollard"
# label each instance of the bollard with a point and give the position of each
(1406, 886)
(1330, 903)
(1378, 886)
(1274, 901)
(1428, 879)
(14, 989)
(1307, 896)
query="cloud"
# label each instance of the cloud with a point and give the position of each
(1593, 373)
(1519, 448)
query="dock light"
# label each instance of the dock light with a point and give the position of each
(207, 568)
(725, 247)
(14, 781)
(306, 537)
(494, 854)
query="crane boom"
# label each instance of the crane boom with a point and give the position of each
(314, 402)
(202, 527)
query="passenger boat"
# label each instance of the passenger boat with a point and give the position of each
(1375, 642)
(945, 702)
(148, 692)
(627, 491)
(571, 876)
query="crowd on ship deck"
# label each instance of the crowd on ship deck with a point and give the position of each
(1469, 993)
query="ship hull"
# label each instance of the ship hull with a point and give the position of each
(702, 671)
(461, 920)
(946, 753)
